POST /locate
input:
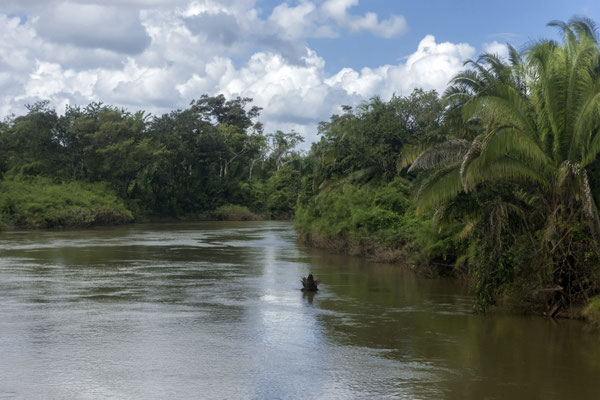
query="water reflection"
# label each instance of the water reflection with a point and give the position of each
(214, 310)
(309, 296)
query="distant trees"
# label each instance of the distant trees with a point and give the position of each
(187, 161)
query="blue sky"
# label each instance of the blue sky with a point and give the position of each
(299, 59)
(474, 22)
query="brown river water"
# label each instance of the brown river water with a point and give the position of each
(214, 311)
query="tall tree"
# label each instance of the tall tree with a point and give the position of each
(540, 130)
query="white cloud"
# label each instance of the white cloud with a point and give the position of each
(304, 94)
(307, 19)
(338, 10)
(35, 5)
(296, 21)
(183, 59)
(499, 49)
(94, 26)
(430, 68)
(50, 80)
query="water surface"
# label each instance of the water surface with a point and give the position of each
(214, 311)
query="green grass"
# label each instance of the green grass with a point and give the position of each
(42, 203)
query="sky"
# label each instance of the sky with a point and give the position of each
(300, 60)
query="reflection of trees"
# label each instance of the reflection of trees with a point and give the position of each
(428, 322)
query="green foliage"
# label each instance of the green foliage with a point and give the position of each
(42, 203)
(372, 136)
(282, 190)
(379, 214)
(358, 190)
(440, 248)
(538, 131)
(186, 162)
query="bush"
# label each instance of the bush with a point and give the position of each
(42, 203)
(374, 213)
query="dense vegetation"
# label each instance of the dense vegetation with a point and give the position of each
(504, 164)
(188, 162)
(496, 181)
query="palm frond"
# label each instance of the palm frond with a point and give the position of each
(409, 154)
(504, 169)
(466, 230)
(513, 55)
(449, 153)
(442, 186)
(508, 141)
(584, 27)
(574, 178)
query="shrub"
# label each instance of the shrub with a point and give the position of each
(373, 213)
(42, 203)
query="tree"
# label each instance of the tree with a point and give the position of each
(282, 146)
(231, 112)
(540, 130)
(367, 140)
(32, 141)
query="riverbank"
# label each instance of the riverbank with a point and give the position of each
(370, 250)
(224, 213)
(535, 304)
(42, 203)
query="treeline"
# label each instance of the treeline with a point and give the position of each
(497, 181)
(188, 162)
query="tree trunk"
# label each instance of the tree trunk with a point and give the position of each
(251, 168)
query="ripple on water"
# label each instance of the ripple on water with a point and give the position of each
(214, 310)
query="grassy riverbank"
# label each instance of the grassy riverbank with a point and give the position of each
(375, 220)
(38, 202)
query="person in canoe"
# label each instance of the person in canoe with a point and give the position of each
(309, 284)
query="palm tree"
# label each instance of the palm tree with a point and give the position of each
(540, 129)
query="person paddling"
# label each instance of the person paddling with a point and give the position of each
(309, 284)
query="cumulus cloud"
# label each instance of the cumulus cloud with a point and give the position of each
(338, 10)
(206, 46)
(228, 32)
(299, 21)
(307, 19)
(499, 49)
(304, 94)
(430, 67)
(28, 5)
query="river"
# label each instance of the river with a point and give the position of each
(214, 311)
